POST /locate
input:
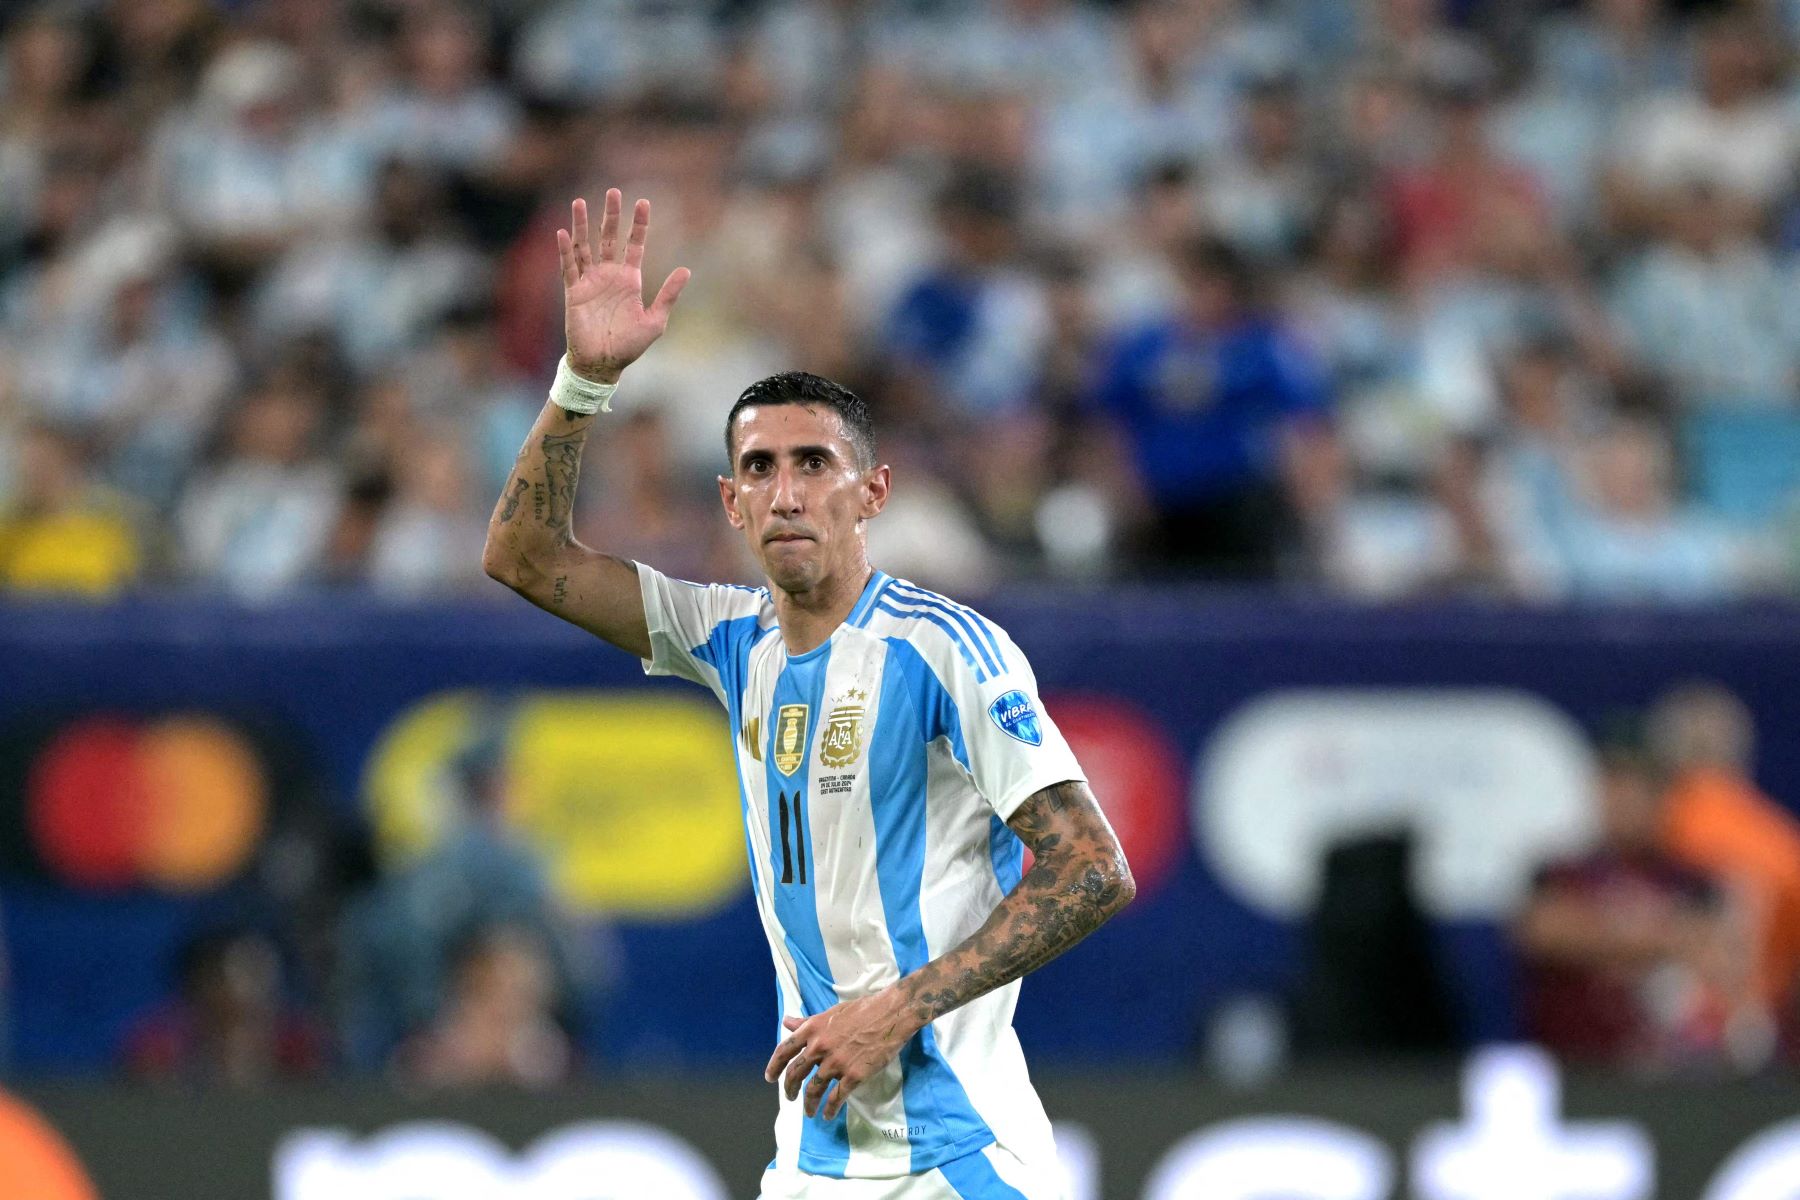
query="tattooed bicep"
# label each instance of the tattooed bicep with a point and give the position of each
(1062, 812)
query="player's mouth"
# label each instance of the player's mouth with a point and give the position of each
(788, 537)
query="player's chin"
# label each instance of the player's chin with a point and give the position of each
(793, 564)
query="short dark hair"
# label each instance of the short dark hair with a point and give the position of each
(808, 390)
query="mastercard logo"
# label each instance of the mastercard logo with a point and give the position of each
(35, 1162)
(178, 803)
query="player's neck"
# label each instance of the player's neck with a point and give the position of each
(808, 618)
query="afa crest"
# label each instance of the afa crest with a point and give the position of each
(790, 738)
(842, 742)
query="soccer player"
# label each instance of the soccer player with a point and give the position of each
(893, 760)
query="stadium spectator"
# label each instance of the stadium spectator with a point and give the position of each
(1716, 816)
(236, 169)
(399, 940)
(1631, 957)
(1261, 194)
(972, 330)
(1731, 131)
(229, 1024)
(1608, 53)
(257, 521)
(1709, 310)
(378, 291)
(1631, 539)
(149, 378)
(1532, 473)
(421, 542)
(660, 516)
(42, 62)
(1227, 417)
(1173, 100)
(445, 115)
(1448, 210)
(61, 531)
(498, 1024)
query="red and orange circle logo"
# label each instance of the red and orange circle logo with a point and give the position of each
(178, 803)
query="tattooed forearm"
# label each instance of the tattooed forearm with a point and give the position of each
(1078, 879)
(562, 464)
(545, 473)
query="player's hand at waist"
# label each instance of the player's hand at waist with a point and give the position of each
(847, 1043)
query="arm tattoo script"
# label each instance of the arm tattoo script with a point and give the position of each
(1078, 879)
(562, 464)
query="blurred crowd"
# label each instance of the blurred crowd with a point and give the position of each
(1385, 296)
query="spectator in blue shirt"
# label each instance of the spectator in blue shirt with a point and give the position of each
(973, 330)
(1226, 417)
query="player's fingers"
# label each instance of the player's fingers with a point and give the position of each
(578, 235)
(840, 1094)
(815, 1091)
(796, 1073)
(783, 1053)
(792, 1022)
(640, 230)
(609, 224)
(565, 252)
(666, 297)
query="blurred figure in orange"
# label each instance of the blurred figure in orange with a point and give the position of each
(1717, 818)
(62, 532)
(1632, 957)
(497, 1026)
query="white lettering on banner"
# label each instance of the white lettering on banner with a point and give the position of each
(429, 1160)
(1514, 1145)
(1511, 1144)
(1493, 782)
(1767, 1167)
(1259, 1158)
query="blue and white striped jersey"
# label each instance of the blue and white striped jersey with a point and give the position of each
(877, 772)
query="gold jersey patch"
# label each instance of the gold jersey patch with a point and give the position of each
(790, 738)
(842, 742)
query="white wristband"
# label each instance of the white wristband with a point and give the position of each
(573, 394)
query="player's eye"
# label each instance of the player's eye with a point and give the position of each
(815, 463)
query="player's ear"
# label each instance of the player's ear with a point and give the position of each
(875, 490)
(728, 497)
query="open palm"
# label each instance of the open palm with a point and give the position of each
(604, 315)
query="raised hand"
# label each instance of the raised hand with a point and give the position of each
(604, 316)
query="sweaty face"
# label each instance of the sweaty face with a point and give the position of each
(798, 493)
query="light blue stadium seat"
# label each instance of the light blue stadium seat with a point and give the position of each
(1743, 466)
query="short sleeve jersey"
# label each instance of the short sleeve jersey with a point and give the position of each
(877, 772)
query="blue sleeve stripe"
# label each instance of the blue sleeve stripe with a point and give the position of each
(960, 616)
(956, 634)
(859, 616)
(969, 616)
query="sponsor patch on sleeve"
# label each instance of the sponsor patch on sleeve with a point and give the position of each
(1015, 715)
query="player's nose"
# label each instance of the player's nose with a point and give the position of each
(787, 499)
